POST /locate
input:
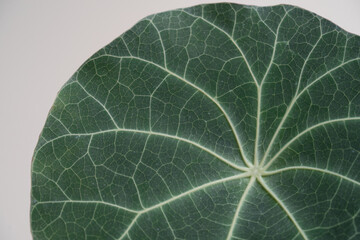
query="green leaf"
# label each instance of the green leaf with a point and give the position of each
(217, 121)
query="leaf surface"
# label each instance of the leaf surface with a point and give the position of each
(218, 121)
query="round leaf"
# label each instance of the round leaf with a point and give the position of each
(218, 121)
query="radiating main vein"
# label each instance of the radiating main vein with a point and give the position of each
(246, 62)
(223, 180)
(241, 203)
(294, 168)
(232, 126)
(304, 132)
(155, 134)
(290, 106)
(256, 146)
(292, 103)
(283, 206)
(159, 205)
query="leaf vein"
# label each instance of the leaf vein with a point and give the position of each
(268, 173)
(232, 40)
(288, 213)
(102, 105)
(304, 132)
(241, 202)
(246, 161)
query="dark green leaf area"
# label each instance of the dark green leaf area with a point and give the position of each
(78, 221)
(333, 147)
(218, 121)
(191, 217)
(332, 99)
(325, 205)
(265, 218)
(162, 167)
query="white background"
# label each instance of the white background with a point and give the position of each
(42, 43)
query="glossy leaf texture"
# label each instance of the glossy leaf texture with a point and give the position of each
(218, 121)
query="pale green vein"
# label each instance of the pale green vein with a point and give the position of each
(241, 202)
(161, 41)
(290, 105)
(201, 187)
(141, 157)
(49, 179)
(274, 49)
(92, 161)
(288, 213)
(295, 237)
(232, 40)
(235, 21)
(111, 170)
(181, 111)
(304, 132)
(293, 103)
(139, 212)
(62, 124)
(294, 168)
(248, 163)
(232, 126)
(263, 21)
(151, 98)
(89, 202)
(256, 146)
(50, 223)
(102, 105)
(129, 227)
(155, 134)
(102, 228)
(328, 72)
(167, 221)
